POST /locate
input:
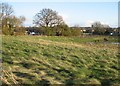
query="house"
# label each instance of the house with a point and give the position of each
(32, 31)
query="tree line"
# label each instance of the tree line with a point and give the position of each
(46, 22)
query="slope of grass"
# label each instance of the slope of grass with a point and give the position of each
(59, 60)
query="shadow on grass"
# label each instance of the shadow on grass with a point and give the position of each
(24, 75)
(42, 82)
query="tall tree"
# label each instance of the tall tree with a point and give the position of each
(5, 14)
(48, 18)
(99, 28)
(6, 10)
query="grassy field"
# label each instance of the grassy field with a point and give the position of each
(60, 60)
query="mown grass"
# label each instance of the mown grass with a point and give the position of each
(60, 60)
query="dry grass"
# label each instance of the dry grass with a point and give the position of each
(9, 78)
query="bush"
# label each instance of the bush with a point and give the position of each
(19, 31)
(75, 31)
(7, 31)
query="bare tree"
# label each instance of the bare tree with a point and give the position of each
(21, 20)
(48, 18)
(7, 10)
(5, 13)
(0, 15)
(16, 21)
(9, 22)
(0, 11)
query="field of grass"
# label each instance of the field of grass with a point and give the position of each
(60, 60)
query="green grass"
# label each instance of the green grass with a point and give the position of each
(60, 60)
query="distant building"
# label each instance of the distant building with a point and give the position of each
(33, 31)
(87, 30)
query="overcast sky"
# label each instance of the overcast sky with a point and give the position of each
(73, 13)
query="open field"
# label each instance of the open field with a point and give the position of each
(60, 60)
